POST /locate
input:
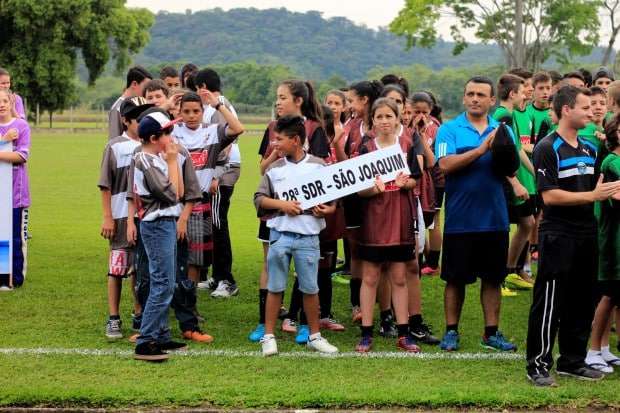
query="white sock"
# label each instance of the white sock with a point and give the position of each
(314, 336)
(593, 354)
(268, 336)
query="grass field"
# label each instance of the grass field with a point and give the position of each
(63, 306)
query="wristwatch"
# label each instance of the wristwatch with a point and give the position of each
(217, 107)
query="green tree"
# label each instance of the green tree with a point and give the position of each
(529, 32)
(43, 40)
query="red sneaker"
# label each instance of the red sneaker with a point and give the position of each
(408, 344)
(430, 271)
(331, 324)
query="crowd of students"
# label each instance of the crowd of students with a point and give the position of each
(169, 170)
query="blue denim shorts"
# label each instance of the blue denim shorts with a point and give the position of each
(304, 250)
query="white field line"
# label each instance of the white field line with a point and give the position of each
(256, 354)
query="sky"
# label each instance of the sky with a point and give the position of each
(372, 15)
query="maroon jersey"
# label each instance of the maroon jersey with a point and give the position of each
(355, 137)
(388, 219)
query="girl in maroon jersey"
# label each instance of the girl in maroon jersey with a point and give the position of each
(386, 240)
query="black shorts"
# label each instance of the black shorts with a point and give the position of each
(263, 231)
(440, 192)
(526, 209)
(396, 253)
(610, 289)
(429, 218)
(471, 255)
(352, 211)
(538, 203)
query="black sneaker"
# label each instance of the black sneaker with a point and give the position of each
(136, 321)
(581, 373)
(150, 352)
(283, 313)
(423, 334)
(172, 346)
(387, 328)
(541, 379)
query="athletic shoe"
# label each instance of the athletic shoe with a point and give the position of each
(515, 281)
(364, 345)
(430, 271)
(134, 337)
(331, 324)
(424, 334)
(303, 334)
(597, 362)
(289, 326)
(388, 329)
(581, 373)
(197, 336)
(209, 284)
(338, 278)
(6, 288)
(269, 345)
(450, 341)
(150, 352)
(498, 342)
(507, 292)
(172, 346)
(610, 358)
(136, 321)
(356, 314)
(408, 344)
(283, 313)
(541, 379)
(113, 329)
(321, 345)
(257, 333)
(225, 290)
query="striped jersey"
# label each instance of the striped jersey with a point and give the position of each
(279, 171)
(115, 165)
(204, 145)
(559, 165)
(150, 187)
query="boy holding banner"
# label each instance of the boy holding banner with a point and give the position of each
(293, 233)
(15, 129)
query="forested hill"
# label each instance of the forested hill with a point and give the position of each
(306, 42)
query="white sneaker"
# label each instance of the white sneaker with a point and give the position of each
(322, 346)
(269, 345)
(610, 358)
(225, 290)
(5, 288)
(597, 362)
(207, 285)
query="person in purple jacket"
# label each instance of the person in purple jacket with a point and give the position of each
(5, 84)
(16, 129)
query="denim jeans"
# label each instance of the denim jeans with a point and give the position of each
(304, 250)
(159, 240)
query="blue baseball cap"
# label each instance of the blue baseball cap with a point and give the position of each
(154, 121)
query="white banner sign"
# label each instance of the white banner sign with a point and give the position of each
(344, 178)
(6, 212)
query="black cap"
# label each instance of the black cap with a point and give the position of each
(603, 72)
(133, 107)
(153, 122)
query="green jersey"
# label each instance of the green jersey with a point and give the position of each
(538, 118)
(608, 215)
(589, 134)
(524, 176)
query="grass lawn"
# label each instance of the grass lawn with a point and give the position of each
(63, 306)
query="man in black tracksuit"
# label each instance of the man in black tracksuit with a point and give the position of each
(567, 267)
